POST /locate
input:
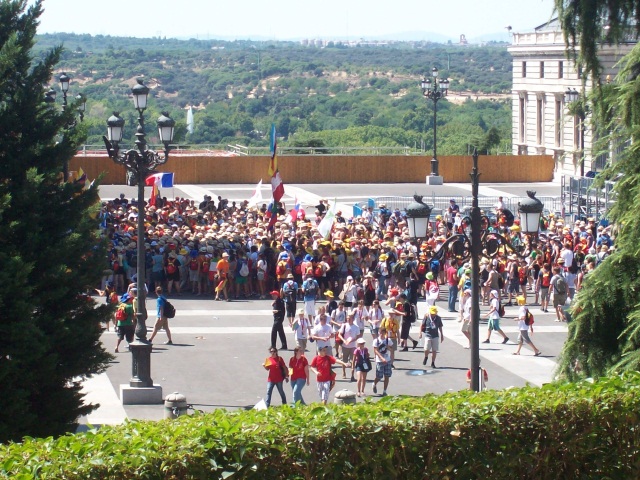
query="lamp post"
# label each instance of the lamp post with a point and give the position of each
(418, 213)
(485, 243)
(434, 90)
(81, 101)
(581, 109)
(140, 162)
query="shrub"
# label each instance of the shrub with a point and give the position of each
(582, 430)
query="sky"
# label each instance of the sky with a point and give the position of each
(293, 19)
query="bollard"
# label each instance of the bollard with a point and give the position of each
(175, 404)
(344, 397)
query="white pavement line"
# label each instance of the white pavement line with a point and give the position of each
(535, 370)
(311, 199)
(483, 191)
(98, 390)
(213, 313)
(195, 192)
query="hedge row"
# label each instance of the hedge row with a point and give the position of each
(583, 430)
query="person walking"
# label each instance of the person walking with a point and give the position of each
(124, 320)
(525, 324)
(278, 319)
(161, 319)
(452, 282)
(302, 329)
(322, 333)
(348, 334)
(299, 374)
(382, 352)
(325, 377)
(278, 373)
(432, 329)
(361, 363)
(289, 292)
(494, 317)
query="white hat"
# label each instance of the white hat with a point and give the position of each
(361, 341)
(494, 293)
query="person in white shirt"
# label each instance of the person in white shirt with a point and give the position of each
(376, 314)
(348, 334)
(524, 329)
(302, 329)
(494, 317)
(322, 333)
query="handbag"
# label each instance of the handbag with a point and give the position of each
(366, 361)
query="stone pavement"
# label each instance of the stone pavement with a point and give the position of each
(219, 347)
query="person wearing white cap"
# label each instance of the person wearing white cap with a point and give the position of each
(302, 329)
(494, 317)
(361, 363)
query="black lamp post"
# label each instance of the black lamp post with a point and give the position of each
(140, 162)
(81, 100)
(435, 90)
(485, 243)
(581, 109)
(417, 213)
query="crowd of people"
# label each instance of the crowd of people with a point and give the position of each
(368, 273)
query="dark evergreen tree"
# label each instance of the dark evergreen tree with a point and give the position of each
(605, 334)
(50, 253)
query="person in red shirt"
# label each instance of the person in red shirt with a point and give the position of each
(278, 373)
(299, 373)
(321, 366)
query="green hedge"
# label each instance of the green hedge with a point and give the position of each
(583, 430)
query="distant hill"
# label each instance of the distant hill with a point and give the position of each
(238, 88)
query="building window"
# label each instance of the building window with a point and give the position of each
(524, 69)
(523, 119)
(539, 122)
(560, 69)
(558, 123)
(541, 69)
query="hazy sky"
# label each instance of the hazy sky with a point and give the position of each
(291, 19)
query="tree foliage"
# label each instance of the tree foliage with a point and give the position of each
(49, 250)
(605, 334)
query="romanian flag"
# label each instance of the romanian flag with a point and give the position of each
(273, 148)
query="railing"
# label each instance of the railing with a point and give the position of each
(441, 204)
(581, 199)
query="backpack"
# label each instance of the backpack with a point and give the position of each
(289, 292)
(500, 282)
(193, 264)
(422, 268)
(121, 314)
(169, 310)
(528, 319)
(500, 309)
(244, 270)
(400, 269)
(311, 288)
(435, 266)
(522, 275)
(359, 292)
(561, 286)
(171, 268)
(319, 271)
(281, 269)
(113, 297)
(467, 285)
(205, 266)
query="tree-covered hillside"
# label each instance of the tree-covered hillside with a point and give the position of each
(329, 95)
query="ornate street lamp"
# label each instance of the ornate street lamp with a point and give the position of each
(434, 90)
(487, 244)
(581, 109)
(81, 100)
(417, 213)
(139, 163)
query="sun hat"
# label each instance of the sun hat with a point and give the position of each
(433, 310)
(361, 341)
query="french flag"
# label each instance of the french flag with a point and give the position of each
(161, 179)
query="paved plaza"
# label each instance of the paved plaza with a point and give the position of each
(216, 359)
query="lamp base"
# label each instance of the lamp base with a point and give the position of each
(434, 180)
(141, 395)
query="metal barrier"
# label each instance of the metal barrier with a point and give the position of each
(441, 204)
(582, 199)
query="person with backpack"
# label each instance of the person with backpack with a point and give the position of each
(543, 284)
(162, 320)
(495, 312)
(310, 289)
(525, 323)
(172, 272)
(560, 289)
(407, 312)
(432, 328)
(289, 292)
(124, 320)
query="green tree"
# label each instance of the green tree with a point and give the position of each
(49, 250)
(605, 334)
